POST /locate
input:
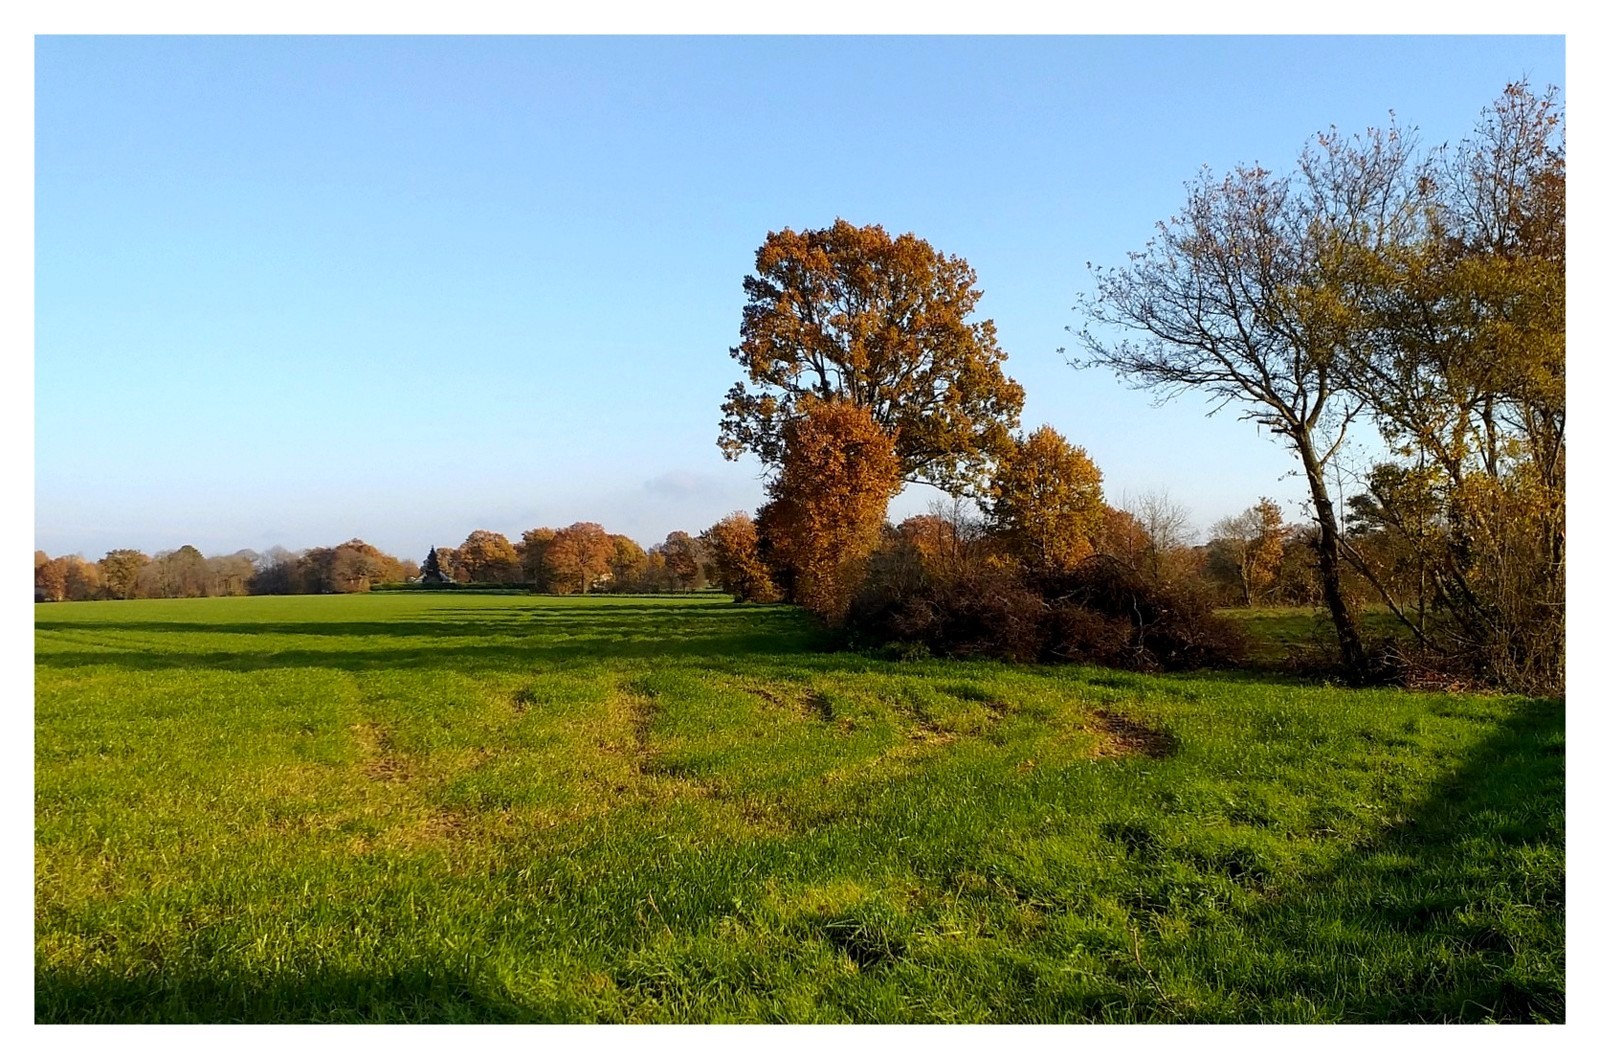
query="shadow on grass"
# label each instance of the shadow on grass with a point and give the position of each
(1459, 906)
(543, 636)
(413, 995)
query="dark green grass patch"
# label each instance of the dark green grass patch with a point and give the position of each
(414, 807)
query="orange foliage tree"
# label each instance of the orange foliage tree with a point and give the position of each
(488, 557)
(579, 557)
(881, 322)
(531, 551)
(50, 578)
(736, 545)
(1045, 501)
(829, 499)
(628, 563)
(935, 539)
(1122, 537)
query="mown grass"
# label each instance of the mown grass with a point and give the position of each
(508, 808)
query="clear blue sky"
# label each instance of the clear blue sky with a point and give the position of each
(295, 290)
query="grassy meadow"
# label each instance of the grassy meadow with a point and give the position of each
(458, 807)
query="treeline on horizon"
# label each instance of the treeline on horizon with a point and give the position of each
(579, 558)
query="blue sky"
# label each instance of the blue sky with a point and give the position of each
(294, 290)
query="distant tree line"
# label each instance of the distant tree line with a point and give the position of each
(582, 557)
(127, 573)
(579, 558)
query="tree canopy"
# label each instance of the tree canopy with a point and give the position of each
(882, 322)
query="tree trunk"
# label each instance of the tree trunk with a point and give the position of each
(1344, 624)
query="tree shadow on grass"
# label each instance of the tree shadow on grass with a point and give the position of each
(1455, 913)
(412, 995)
(584, 635)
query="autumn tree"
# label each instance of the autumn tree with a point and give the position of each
(278, 573)
(654, 575)
(1045, 501)
(855, 315)
(230, 575)
(1251, 546)
(486, 556)
(182, 572)
(579, 557)
(531, 551)
(450, 564)
(49, 578)
(355, 566)
(1122, 537)
(681, 553)
(736, 545)
(119, 571)
(935, 539)
(628, 563)
(838, 472)
(710, 572)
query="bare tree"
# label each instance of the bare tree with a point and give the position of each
(1240, 297)
(1166, 522)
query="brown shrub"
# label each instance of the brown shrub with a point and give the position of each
(1101, 612)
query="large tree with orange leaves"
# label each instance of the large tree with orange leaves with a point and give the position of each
(829, 500)
(881, 322)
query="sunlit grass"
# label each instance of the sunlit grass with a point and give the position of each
(522, 808)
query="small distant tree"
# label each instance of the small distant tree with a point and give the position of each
(182, 573)
(1123, 537)
(83, 579)
(628, 562)
(231, 574)
(681, 553)
(934, 539)
(531, 550)
(450, 565)
(431, 572)
(654, 576)
(119, 571)
(1251, 543)
(488, 557)
(1166, 523)
(278, 573)
(356, 566)
(579, 557)
(735, 543)
(50, 578)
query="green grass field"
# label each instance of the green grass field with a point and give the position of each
(499, 808)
